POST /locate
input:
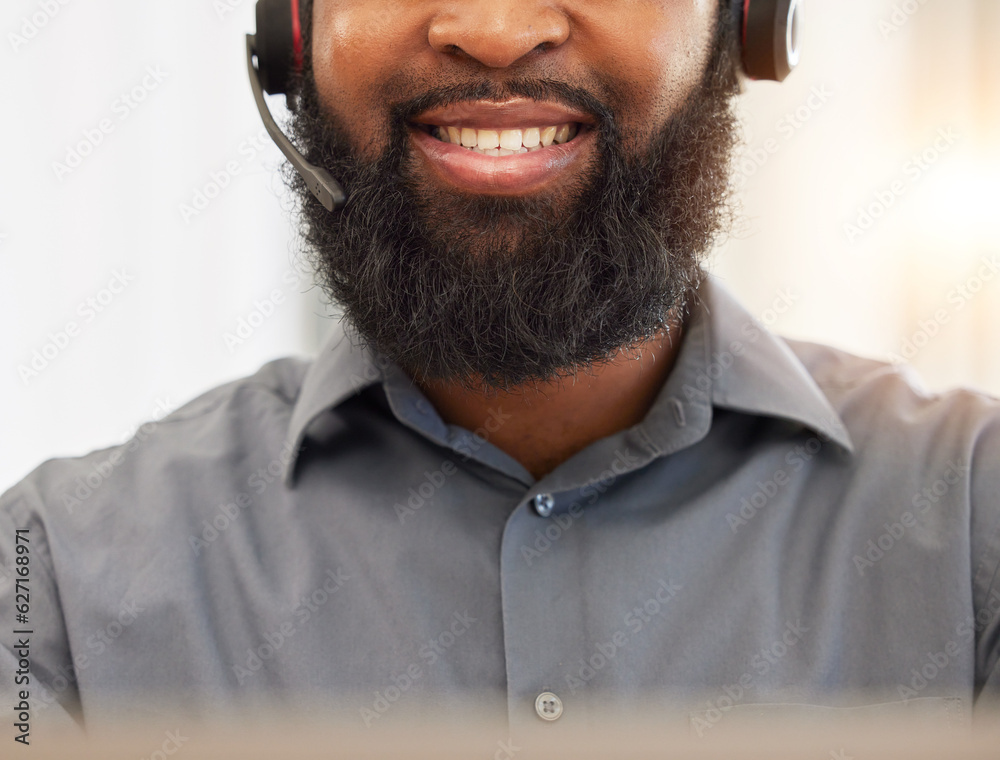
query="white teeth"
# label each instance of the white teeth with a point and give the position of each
(511, 139)
(488, 139)
(506, 142)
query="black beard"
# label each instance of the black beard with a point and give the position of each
(497, 292)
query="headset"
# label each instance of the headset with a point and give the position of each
(769, 36)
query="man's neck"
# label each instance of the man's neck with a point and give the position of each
(544, 425)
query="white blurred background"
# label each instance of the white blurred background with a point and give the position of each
(870, 184)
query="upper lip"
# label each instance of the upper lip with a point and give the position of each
(510, 114)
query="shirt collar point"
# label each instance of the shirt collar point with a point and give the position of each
(838, 434)
(342, 369)
(288, 476)
(765, 375)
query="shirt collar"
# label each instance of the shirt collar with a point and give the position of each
(726, 356)
(342, 369)
(764, 376)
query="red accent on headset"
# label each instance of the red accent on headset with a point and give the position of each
(746, 16)
(297, 34)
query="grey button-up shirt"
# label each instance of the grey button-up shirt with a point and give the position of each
(788, 524)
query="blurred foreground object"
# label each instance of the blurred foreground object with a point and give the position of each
(773, 734)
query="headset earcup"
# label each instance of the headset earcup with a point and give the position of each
(275, 45)
(770, 38)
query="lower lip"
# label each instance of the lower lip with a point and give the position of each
(519, 174)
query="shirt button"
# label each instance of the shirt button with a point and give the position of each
(423, 406)
(544, 504)
(548, 706)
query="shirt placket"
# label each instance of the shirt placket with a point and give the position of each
(543, 616)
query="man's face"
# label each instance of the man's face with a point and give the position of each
(492, 268)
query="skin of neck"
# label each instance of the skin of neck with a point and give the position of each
(543, 425)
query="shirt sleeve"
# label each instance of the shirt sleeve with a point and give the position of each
(28, 588)
(985, 547)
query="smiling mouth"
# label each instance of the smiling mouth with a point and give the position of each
(503, 151)
(504, 142)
